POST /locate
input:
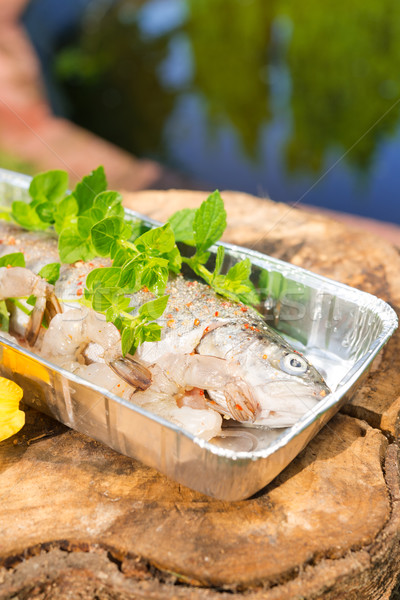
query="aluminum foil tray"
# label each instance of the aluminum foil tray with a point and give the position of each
(338, 328)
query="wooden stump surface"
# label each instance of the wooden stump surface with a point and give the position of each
(79, 520)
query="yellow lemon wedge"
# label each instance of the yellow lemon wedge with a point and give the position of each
(11, 418)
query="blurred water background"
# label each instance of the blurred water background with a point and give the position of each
(299, 101)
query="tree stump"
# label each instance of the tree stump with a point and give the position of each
(80, 521)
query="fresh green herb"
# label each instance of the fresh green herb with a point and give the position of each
(90, 222)
(4, 316)
(202, 228)
(50, 272)
(15, 259)
(145, 262)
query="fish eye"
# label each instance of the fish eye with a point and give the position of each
(293, 364)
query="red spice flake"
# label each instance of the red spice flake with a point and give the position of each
(216, 313)
(91, 264)
(196, 322)
(80, 282)
(169, 316)
(192, 353)
(244, 308)
(246, 325)
(265, 356)
(238, 407)
(191, 283)
(79, 292)
(206, 329)
(118, 385)
(201, 392)
(170, 323)
(9, 267)
(189, 304)
(145, 288)
(177, 309)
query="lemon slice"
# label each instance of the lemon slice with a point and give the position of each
(11, 418)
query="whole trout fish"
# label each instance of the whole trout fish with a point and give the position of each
(215, 357)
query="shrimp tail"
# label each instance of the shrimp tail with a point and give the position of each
(48, 306)
(242, 407)
(131, 371)
(35, 320)
(53, 306)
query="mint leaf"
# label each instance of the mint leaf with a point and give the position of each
(109, 204)
(84, 225)
(45, 212)
(50, 186)
(106, 233)
(155, 308)
(105, 276)
(65, 213)
(156, 241)
(26, 216)
(128, 339)
(87, 189)
(72, 247)
(209, 222)
(239, 272)
(182, 225)
(106, 299)
(219, 259)
(50, 272)
(15, 259)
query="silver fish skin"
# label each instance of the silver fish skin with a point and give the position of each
(282, 382)
(247, 370)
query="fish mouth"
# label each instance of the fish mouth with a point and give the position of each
(284, 402)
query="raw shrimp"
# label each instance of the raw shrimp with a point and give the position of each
(18, 281)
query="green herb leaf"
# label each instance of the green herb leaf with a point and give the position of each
(209, 222)
(182, 225)
(15, 259)
(65, 213)
(219, 259)
(50, 272)
(4, 316)
(103, 277)
(26, 216)
(109, 204)
(45, 212)
(87, 189)
(106, 233)
(156, 241)
(50, 186)
(155, 308)
(72, 247)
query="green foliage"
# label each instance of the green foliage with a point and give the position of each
(15, 259)
(340, 61)
(91, 222)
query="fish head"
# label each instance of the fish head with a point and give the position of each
(282, 382)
